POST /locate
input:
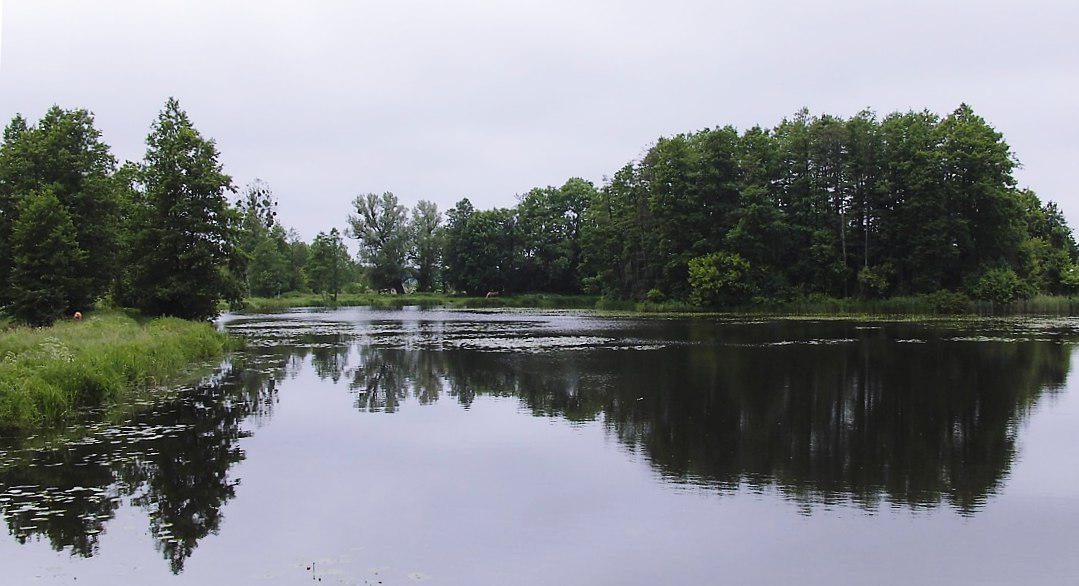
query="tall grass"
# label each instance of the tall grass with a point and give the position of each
(290, 300)
(538, 300)
(941, 303)
(1047, 305)
(48, 374)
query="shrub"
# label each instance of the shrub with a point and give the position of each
(948, 302)
(999, 286)
(872, 282)
(719, 279)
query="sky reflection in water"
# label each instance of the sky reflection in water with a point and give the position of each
(519, 447)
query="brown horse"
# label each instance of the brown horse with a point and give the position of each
(492, 294)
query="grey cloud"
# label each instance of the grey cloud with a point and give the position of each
(486, 99)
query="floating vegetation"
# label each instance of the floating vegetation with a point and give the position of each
(1009, 340)
(811, 342)
(532, 344)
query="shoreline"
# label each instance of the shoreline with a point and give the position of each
(935, 306)
(48, 376)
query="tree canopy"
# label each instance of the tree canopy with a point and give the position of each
(913, 203)
(63, 155)
(910, 204)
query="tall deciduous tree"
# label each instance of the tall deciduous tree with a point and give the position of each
(618, 257)
(911, 204)
(381, 225)
(977, 182)
(184, 259)
(269, 269)
(263, 242)
(426, 251)
(479, 248)
(298, 253)
(259, 204)
(549, 226)
(544, 249)
(328, 264)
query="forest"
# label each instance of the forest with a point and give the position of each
(911, 204)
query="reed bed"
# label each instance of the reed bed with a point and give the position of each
(942, 303)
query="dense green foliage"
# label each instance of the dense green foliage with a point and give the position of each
(275, 258)
(46, 374)
(183, 231)
(328, 266)
(63, 156)
(159, 235)
(913, 205)
(479, 248)
(426, 251)
(45, 258)
(381, 226)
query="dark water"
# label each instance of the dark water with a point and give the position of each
(367, 447)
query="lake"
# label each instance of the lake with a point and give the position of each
(361, 446)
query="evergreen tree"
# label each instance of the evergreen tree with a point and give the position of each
(184, 260)
(45, 256)
(12, 168)
(63, 153)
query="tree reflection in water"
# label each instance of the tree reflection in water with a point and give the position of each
(915, 415)
(906, 414)
(172, 461)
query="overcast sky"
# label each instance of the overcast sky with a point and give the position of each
(444, 99)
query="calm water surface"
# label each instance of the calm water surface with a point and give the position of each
(456, 447)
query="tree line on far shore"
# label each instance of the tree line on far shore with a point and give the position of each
(910, 204)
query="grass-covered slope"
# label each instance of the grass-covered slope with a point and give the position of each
(46, 374)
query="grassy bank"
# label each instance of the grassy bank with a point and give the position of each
(289, 300)
(937, 304)
(538, 300)
(48, 374)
